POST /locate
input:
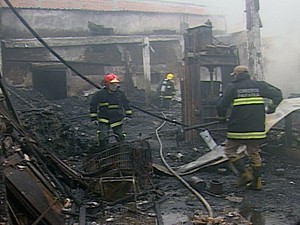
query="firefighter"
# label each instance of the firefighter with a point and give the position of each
(166, 91)
(109, 106)
(246, 124)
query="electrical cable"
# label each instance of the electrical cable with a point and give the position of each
(36, 35)
(199, 196)
(40, 39)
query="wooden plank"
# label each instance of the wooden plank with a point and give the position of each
(34, 193)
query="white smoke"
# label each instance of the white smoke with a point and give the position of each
(281, 36)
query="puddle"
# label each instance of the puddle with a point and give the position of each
(168, 219)
(261, 218)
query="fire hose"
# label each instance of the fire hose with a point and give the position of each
(36, 35)
(198, 195)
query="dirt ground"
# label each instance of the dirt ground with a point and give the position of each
(64, 127)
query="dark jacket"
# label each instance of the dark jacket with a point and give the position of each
(246, 96)
(109, 107)
(166, 89)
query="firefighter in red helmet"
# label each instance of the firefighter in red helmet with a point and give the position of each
(109, 106)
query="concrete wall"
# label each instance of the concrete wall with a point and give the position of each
(51, 23)
(89, 58)
(68, 19)
(110, 5)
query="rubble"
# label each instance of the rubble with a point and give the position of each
(59, 126)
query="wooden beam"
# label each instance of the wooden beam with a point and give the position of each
(79, 41)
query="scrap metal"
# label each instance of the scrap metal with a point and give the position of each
(27, 171)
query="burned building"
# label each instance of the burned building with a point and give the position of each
(46, 45)
(94, 38)
(85, 39)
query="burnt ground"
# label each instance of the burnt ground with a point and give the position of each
(64, 127)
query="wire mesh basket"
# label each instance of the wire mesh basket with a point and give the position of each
(126, 158)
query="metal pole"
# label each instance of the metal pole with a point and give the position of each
(147, 72)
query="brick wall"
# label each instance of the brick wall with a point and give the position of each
(109, 5)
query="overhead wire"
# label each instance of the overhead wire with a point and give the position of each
(41, 40)
(36, 35)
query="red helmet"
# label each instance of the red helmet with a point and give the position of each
(111, 78)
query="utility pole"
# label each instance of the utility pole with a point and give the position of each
(254, 39)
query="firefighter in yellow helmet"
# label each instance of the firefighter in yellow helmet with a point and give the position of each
(166, 91)
(246, 124)
(109, 106)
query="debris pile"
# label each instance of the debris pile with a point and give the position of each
(59, 141)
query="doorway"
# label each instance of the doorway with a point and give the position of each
(50, 83)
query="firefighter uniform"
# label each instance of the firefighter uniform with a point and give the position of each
(166, 91)
(246, 124)
(109, 107)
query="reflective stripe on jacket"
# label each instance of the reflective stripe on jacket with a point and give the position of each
(166, 89)
(109, 107)
(246, 96)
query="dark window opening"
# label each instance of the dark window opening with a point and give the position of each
(52, 84)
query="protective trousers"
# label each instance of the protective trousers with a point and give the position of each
(165, 103)
(231, 147)
(103, 133)
(245, 177)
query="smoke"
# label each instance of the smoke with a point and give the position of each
(282, 63)
(280, 35)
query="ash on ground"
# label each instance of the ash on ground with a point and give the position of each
(64, 127)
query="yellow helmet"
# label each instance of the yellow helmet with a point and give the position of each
(169, 76)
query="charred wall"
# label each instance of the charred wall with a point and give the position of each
(64, 23)
(26, 62)
(87, 19)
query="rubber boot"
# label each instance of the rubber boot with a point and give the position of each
(256, 183)
(102, 144)
(120, 135)
(245, 177)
